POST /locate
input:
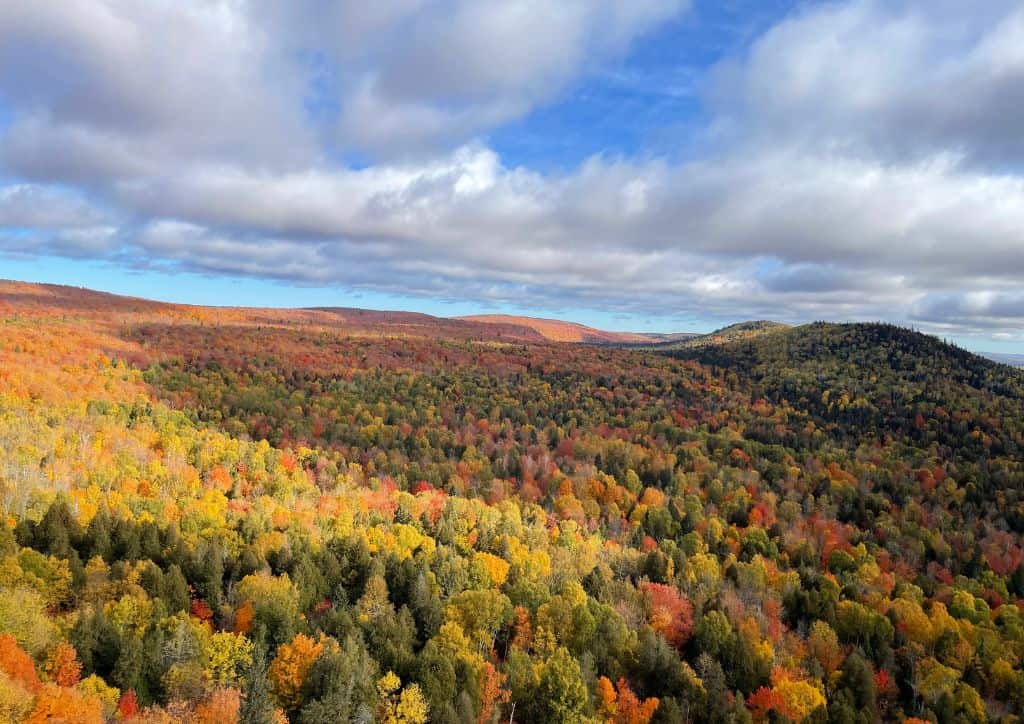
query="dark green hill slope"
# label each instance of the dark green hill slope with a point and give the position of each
(882, 365)
(879, 383)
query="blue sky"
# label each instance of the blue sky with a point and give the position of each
(651, 165)
(649, 103)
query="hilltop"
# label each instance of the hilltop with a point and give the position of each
(883, 380)
(726, 335)
(872, 352)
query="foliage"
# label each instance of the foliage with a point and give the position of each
(400, 706)
(289, 668)
(205, 516)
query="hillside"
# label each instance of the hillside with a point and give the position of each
(559, 331)
(879, 381)
(229, 514)
(886, 364)
(725, 335)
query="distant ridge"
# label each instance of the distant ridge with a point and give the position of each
(1014, 360)
(556, 330)
(18, 296)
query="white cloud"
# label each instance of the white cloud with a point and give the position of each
(409, 75)
(31, 206)
(893, 78)
(867, 164)
(144, 84)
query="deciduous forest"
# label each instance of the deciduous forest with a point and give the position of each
(220, 515)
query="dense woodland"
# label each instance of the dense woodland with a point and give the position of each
(225, 515)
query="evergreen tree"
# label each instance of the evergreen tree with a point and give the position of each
(341, 685)
(174, 589)
(97, 536)
(257, 706)
(129, 672)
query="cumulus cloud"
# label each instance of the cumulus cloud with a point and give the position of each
(979, 312)
(412, 74)
(31, 206)
(865, 161)
(133, 87)
(900, 79)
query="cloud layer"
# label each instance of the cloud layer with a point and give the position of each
(861, 159)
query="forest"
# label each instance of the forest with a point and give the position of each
(236, 515)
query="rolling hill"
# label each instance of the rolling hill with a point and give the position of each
(317, 515)
(47, 298)
(883, 381)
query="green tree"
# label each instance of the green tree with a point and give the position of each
(257, 705)
(561, 693)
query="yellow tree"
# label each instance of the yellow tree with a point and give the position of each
(400, 706)
(227, 656)
(800, 697)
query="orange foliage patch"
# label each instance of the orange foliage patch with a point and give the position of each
(64, 667)
(17, 664)
(59, 704)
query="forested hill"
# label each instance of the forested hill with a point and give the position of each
(865, 372)
(880, 383)
(224, 515)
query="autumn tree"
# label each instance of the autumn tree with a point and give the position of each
(289, 668)
(670, 614)
(561, 694)
(398, 705)
(16, 663)
(63, 665)
(56, 703)
(619, 705)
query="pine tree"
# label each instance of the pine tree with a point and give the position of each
(210, 573)
(130, 669)
(58, 530)
(174, 590)
(257, 707)
(97, 536)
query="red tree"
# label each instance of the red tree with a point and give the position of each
(669, 613)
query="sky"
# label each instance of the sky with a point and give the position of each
(655, 165)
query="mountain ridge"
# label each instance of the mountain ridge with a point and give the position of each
(16, 295)
(558, 330)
